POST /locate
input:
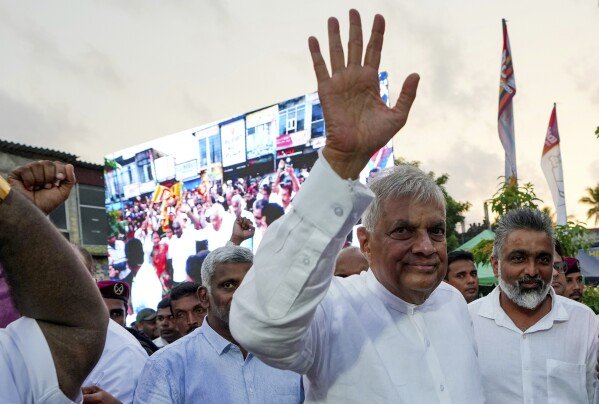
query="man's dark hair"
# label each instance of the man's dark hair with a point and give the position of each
(134, 251)
(165, 303)
(193, 266)
(272, 212)
(184, 289)
(266, 187)
(457, 256)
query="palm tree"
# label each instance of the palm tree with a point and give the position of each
(593, 200)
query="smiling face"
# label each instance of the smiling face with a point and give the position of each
(525, 267)
(407, 249)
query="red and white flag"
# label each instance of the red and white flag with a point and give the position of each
(507, 90)
(551, 163)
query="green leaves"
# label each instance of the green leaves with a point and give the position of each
(573, 236)
(510, 195)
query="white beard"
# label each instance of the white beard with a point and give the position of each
(530, 299)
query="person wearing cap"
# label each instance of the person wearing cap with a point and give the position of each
(145, 322)
(533, 345)
(46, 354)
(116, 299)
(116, 374)
(574, 279)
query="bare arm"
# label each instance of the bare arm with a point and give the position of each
(49, 282)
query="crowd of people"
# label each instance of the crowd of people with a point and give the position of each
(302, 319)
(175, 226)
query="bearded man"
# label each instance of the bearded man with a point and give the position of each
(522, 327)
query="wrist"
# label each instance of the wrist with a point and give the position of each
(4, 188)
(346, 165)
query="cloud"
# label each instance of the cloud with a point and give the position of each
(50, 127)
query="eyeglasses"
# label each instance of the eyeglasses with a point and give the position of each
(560, 267)
(117, 313)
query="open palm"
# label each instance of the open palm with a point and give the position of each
(358, 121)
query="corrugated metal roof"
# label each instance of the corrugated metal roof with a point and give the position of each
(37, 152)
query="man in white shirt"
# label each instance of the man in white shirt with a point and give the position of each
(391, 334)
(180, 247)
(36, 365)
(533, 345)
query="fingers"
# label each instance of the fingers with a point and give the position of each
(355, 46)
(375, 45)
(406, 97)
(37, 175)
(320, 67)
(335, 47)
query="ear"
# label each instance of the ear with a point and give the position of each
(495, 264)
(203, 296)
(364, 239)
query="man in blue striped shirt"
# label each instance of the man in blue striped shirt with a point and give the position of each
(208, 365)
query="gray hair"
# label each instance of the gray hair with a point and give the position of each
(520, 219)
(223, 255)
(401, 181)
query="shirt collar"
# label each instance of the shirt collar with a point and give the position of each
(491, 308)
(217, 342)
(389, 299)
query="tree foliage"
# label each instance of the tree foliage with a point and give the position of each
(590, 297)
(592, 198)
(482, 251)
(573, 236)
(510, 196)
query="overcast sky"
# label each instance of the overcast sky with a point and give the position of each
(94, 77)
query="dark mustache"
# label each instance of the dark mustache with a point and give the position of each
(529, 279)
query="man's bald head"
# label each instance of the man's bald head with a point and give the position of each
(350, 261)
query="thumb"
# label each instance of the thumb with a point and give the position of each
(90, 389)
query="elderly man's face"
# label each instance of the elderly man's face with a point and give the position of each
(226, 279)
(407, 250)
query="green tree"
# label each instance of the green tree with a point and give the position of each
(592, 199)
(454, 212)
(573, 236)
(510, 196)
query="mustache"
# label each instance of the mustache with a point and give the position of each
(531, 279)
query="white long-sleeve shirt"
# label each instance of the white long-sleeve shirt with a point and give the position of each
(551, 362)
(352, 339)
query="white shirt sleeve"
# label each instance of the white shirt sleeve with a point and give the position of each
(27, 369)
(273, 311)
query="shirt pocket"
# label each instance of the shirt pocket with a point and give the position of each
(566, 382)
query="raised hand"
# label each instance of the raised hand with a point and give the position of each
(47, 184)
(243, 229)
(357, 120)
